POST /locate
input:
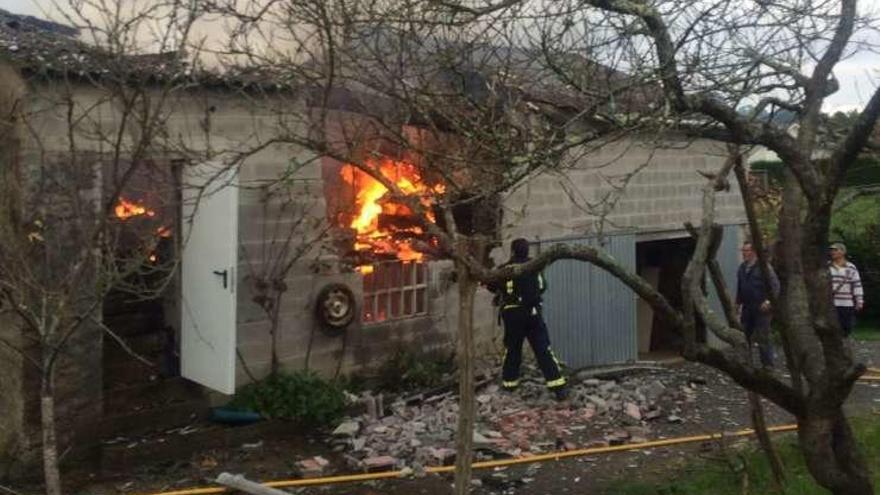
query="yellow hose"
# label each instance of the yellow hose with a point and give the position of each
(492, 464)
(506, 462)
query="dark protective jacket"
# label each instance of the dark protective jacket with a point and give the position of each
(523, 291)
(750, 290)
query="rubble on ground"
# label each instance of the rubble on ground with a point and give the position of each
(525, 422)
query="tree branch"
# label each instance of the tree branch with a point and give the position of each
(119, 340)
(589, 254)
(819, 81)
(853, 144)
(761, 381)
(693, 296)
(476, 12)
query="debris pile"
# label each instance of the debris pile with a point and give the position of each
(514, 424)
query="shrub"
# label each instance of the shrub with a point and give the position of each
(406, 371)
(300, 396)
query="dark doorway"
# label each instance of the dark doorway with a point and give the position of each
(662, 263)
(140, 343)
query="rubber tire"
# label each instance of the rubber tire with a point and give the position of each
(335, 307)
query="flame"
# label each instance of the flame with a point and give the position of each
(371, 203)
(126, 209)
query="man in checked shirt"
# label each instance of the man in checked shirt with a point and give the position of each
(846, 288)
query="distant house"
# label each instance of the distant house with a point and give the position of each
(344, 309)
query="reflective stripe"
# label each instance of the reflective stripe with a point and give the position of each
(541, 285)
(512, 384)
(556, 383)
(509, 286)
(555, 360)
(509, 306)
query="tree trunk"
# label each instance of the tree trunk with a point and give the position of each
(832, 455)
(51, 471)
(275, 317)
(759, 424)
(467, 287)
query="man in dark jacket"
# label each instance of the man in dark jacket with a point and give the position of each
(753, 302)
(520, 301)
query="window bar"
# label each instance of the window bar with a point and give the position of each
(411, 294)
(388, 315)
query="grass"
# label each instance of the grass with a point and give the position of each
(725, 477)
(866, 329)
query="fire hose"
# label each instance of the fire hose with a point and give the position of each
(553, 456)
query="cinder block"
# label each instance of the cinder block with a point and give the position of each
(253, 331)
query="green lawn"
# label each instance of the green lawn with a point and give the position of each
(867, 330)
(724, 474)
(725, 477)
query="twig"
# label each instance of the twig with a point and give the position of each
(9, 490)
(123, 344)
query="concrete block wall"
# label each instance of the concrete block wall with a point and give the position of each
(78, 370)
(13, 440)
(301, 341)
(663, 192)
(216, 123)
(660, 189)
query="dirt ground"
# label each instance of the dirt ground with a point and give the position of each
(713, 403)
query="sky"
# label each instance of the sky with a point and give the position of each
(858, 75)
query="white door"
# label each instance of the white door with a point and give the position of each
(209, 260)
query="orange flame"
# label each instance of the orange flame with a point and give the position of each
(372, 202)
(126, 209)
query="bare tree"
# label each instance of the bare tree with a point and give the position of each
(290, 229)
(708, 61)
(483, 96)
(80, 135)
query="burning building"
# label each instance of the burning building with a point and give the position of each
(354, 265)
(389, 239)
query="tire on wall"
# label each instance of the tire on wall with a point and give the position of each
(335, 308)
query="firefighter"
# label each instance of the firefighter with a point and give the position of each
(520, 307)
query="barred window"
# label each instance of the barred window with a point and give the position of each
(395, 290)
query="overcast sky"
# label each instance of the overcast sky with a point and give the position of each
(858, 76)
